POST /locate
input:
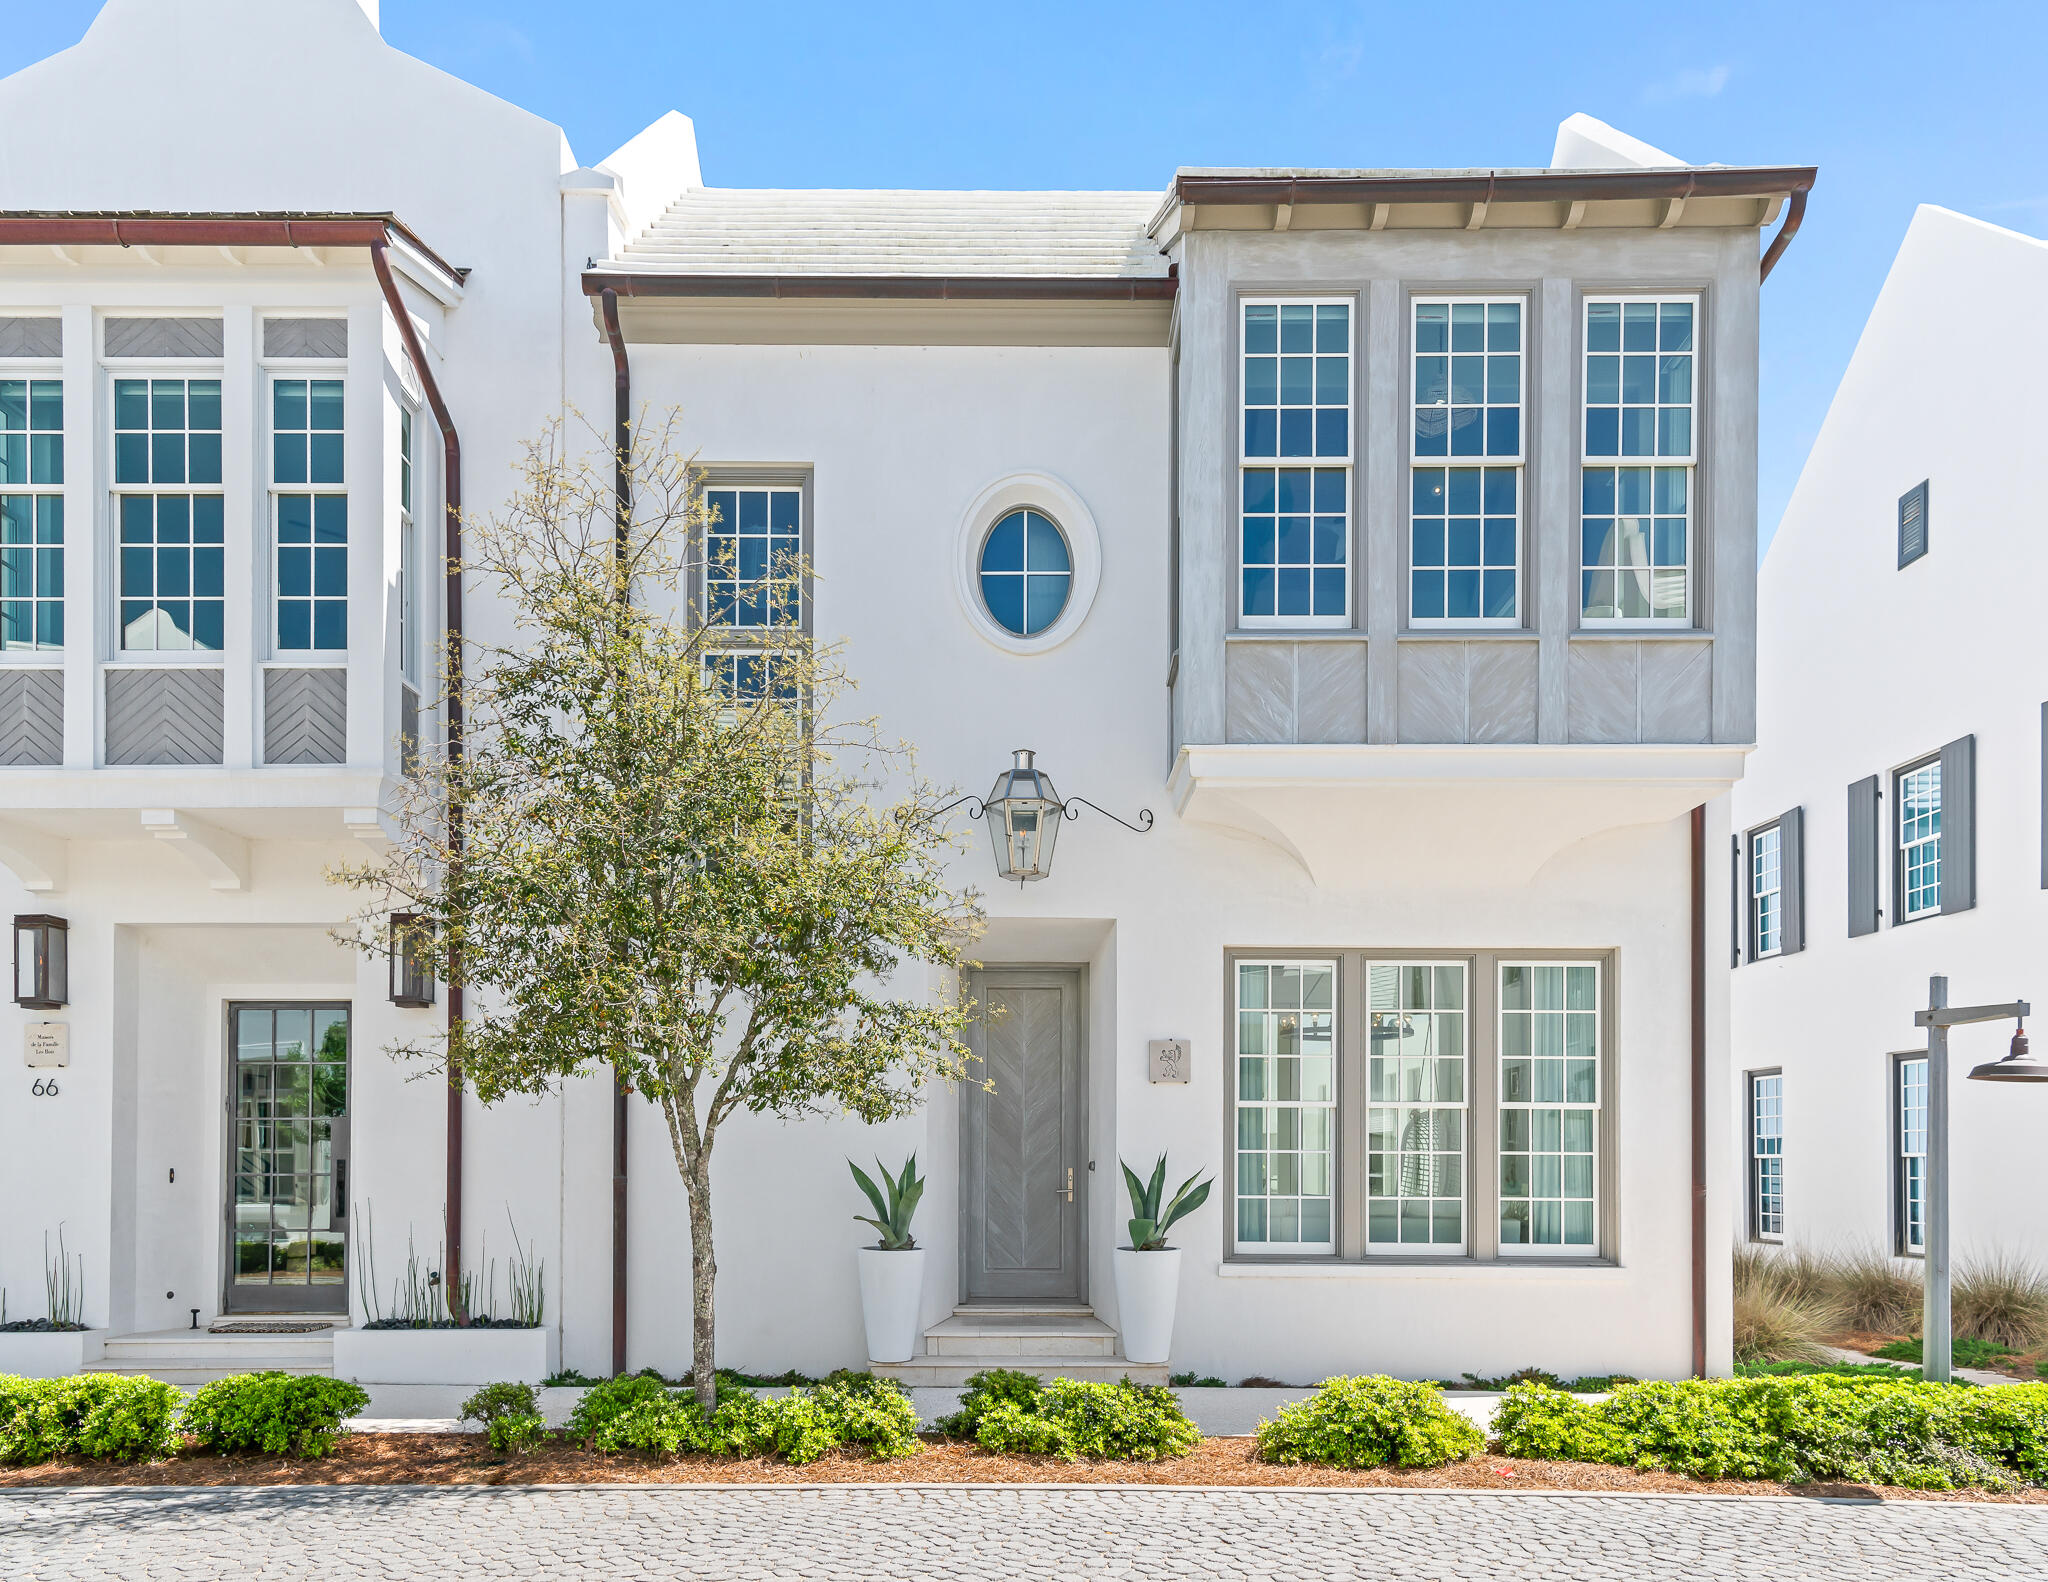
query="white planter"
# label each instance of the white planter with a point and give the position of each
(57, 1354)
(446, 1356)
(891, 1301)
(1147, 1288)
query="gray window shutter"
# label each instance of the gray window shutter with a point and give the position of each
(1959, 825)
(1791, 881)
(1863, 856)
(1738, 920)
(1912, 525)
(2044, 796)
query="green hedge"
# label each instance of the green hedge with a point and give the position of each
(639, 1412)
(105, 1416)
(1003, 1409)
(278, 1414)
(1795, 1430)
(1371, 1421)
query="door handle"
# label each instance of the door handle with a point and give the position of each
(1066, 1191)
(340, 1210)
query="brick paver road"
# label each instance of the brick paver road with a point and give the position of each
(736, 1535)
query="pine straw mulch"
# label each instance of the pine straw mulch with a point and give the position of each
(376, 1458)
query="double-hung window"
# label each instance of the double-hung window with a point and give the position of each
(408, 560)
(1549, 1105)
(1415, 1124)
(1639, 453)
(167, 485)
(753, 573)
(1766, 892)
(310, 514)
(1909, 1147)
(1296, 438)
(1467, 449)
(31, 513)
(1766, 1155)
(1286, 1106)
(1917, 796)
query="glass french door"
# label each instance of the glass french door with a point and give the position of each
(287, 1186)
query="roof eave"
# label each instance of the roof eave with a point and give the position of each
(926, 288)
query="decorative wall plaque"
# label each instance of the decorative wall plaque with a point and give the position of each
(47, 1043)
(1168, 1059)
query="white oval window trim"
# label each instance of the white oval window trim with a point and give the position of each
(1041, 492)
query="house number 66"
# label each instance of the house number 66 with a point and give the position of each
(44, 1087)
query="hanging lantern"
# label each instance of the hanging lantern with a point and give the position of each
(412, 979)
(1023, 813)
(2017, 1066)
(42, 962)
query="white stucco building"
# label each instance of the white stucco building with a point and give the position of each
(1389, 535)
(1890, 826)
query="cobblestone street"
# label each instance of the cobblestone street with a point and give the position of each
(741, 1534)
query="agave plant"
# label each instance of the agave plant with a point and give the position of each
(893, 1208)
(1150, 1222)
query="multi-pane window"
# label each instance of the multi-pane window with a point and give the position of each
(749, 675)
(1767, 1155)
(1296, 444)
(1911, 1153)
(1415, 1123)
(1766, 892)
(1549, 1104)
(1639, 450)
(1026, 572)
(31, 514)
(312, 527)
(1286, 1105)
(167, 483)
(753, 573)
(1464, 524)
(1919, 803)
(408, 558)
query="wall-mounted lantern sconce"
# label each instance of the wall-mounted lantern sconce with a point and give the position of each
(42, 962)
(412, 979)
(1024, 814)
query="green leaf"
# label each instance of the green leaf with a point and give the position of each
(873, 1192)
(1143, 1233)
(1135, 1188)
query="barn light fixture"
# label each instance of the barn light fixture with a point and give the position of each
(42, 962)
(2017, 1066)
(1024, 815)
(412, 977)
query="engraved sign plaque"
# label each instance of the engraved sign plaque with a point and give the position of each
(1168, 1059)
(47, 1043)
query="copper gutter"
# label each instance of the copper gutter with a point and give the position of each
(20, 228)
(1699, 1091)
(915, 288)
(622, 496)
(1533, 186)
(1795, 211)
(451, 453)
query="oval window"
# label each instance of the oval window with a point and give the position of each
(1026, 572)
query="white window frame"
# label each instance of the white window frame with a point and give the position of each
(1904, 849)
(333, 370)
(32, 371)
(1462, 1106)
(112, 371)
(1271, 1104)
(1689, 464)
(1517, 463)
(1347, 465)
(1766, 1091)
(1766, 848)
(1909, 1154)
(1593, 1110)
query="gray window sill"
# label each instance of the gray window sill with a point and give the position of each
(1469, 634)
(1254, 1267)
(1639, 634)
(1280, 634)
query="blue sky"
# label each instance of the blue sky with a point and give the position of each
(1897, 104)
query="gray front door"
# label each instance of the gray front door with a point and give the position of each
(1024, 1164)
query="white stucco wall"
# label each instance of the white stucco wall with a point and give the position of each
(1865, 667)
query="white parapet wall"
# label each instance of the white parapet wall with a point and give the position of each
(446, 1356)
(49, 1354)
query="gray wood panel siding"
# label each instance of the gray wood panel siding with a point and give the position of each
(1289, 691)
(1023, 1141)
(167, 716)
(1693, 686)
(305, 337)
(31, 337)
(305, 716)
(31, 716)
(165, 337)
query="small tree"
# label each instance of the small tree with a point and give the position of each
(670, 857)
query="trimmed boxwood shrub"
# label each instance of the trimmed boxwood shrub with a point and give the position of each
(279, 1414)
(105, 1416)
(640, 1412)
(1003, 1409)
(510, 1413)
(1370, 1421)
(1902, 1432)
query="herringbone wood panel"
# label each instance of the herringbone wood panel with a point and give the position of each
(168, 716)
(305, 716)
(31, 717)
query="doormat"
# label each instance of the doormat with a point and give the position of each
(263, 1327)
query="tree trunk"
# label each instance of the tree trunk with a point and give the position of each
(703, 1283)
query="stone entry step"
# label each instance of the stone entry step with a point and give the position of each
(952, 1372)
(1063, 1341)
(192, 1357)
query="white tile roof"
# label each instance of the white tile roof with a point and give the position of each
(714, 230)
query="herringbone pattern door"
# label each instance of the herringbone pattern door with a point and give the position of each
(1025, 1170)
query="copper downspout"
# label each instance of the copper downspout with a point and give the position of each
(622, 493)
(1699, 1091)
(451, 450)
(1795, 211)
